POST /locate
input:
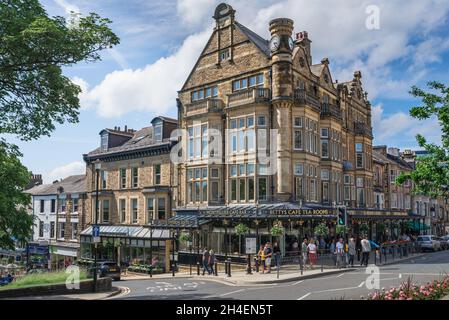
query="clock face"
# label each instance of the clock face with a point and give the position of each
(275, 43)
(291, 44)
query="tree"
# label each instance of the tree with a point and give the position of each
(34, 93)
(15, 222)
(431, 174)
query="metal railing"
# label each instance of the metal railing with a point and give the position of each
(301, 96)
(252, 95)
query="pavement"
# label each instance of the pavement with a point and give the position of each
(348, 284)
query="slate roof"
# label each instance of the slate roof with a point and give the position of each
(260, 42)
(142, 139)
(71, 184)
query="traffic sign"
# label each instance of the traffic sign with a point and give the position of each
(96, 234)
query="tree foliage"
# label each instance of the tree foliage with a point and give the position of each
(34, 93)
(431, 174)
(15, 222)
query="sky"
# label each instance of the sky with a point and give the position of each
(395, 44)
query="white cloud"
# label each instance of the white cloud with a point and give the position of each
(192, 12)
(400, 127)
(68, 7)
(337, 29)
(73, 168)
(152, 88)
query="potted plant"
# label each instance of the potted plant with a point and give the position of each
(321, 230)
(277, 230)
(241, 229)
(340, 230)
(364, 227)
(185, 237)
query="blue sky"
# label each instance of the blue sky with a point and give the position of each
(161, 40)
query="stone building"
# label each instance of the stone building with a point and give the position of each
(59, 210)
(293, 143)
(136, 183)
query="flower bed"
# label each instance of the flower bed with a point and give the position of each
(145, 268)
(411, 291)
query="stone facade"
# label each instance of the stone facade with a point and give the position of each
(323, 138)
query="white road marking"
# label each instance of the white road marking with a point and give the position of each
(360, 285)
(226, 294)
(304, 296)
(338, 289)
(340, 275)
(400, 276)
(297, 282)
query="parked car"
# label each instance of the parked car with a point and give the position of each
(444, 245)
(107, 269)
(446, 238)
(429, 243)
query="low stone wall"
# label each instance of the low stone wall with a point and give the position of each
(86, 286)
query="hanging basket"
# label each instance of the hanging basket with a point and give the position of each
(277, 230)
(241, 229)
(185, 237)
(321, 230)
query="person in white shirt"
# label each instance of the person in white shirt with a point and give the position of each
(311, 248)
(339, 251)
(366, 249)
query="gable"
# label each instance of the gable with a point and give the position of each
(245, 47)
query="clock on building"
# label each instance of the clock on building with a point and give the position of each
(291, 44)
(275, 43)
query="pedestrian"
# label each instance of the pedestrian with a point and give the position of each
(268, 251)
(304, 253)
(261, 256)
(351, 252)
(358, 247)
(339, 252)
(366, 249)
(322, 243)
(206, 256)
(277, 255)
(312, 250)
(211, 261)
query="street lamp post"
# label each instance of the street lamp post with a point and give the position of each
(97, 164)
(60, 191)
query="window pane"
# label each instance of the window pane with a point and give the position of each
(261, 121)
(161, 208)
(252, 81)
(242, 190)
(233, 123)
(215, 91)
(150, 209)
(250, 121)
(208, 92)
(324, 133)
(260, 78)
(244, 83)
(204, 187)
(324, 148)
(358, 147)
(233, 190)
(262, 189)
(214, 173)
(298, 169)
(236, 85)
(242, 169)
(298, 139)
(250, 169)
(251, 189)
(250, 138)
(233, 170)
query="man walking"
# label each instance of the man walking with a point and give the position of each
(268, 253)
(339, 251)
(351, 252)
(206, 257)
(366, 249)
(304, 253)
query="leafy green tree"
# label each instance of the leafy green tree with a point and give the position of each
(431, 175)
(15, 222)
(34, 93)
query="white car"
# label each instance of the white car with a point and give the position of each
(429, 243)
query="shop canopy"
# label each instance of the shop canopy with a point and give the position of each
(137, 232)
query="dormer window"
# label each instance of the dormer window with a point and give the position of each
(158, 132)
(225, 55)
(104, 141)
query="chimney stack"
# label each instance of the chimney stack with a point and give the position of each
(126, 128)
(302, 38)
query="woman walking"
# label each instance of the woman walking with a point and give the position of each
(312, 249)
(211, 261)
(261, 256)
(351, 252)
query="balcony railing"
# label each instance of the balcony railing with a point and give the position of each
(248, 96)
(203, 106)
(330, 110)
(303, 97)
(361, 128)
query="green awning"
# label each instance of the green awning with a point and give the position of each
(418, 226)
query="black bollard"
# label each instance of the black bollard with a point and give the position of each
(198, 268)
(226, 266)
(229, 267)
(216, 268)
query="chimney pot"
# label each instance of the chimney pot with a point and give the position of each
(126, 128)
